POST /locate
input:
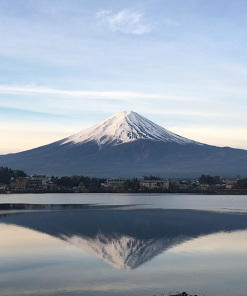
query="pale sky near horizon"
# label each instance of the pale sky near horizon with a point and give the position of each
(65, 65)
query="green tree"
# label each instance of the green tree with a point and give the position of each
(53, 186)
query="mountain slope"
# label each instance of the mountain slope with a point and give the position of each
(129, 145)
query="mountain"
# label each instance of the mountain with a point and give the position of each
(129, 145)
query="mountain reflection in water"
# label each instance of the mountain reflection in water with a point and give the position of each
(125, 238)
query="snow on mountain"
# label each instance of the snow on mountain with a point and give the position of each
(123, 252)
(124, 127)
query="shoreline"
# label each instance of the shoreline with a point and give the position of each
(185, 191)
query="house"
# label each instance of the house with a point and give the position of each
(39, 182)
(204, 186)
(21, 183)
(34, 184)
(153, 184)
(104, 186)
(117, 183)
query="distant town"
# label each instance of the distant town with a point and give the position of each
(15, 181)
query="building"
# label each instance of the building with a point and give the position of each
(21, 183)
(153, 184)
(183, 186)
(117, 183)
(204, 186)
(104, 186)
(38, 177)
(39, 182)
(12, 183)
(34, 184)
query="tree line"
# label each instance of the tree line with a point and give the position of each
(7, 173)
(75, 181)
(207, 179)
(94, 184)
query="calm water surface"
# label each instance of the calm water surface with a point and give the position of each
(122, 244)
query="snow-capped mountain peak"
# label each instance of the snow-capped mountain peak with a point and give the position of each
(124, 127)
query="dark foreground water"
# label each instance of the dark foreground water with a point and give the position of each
(123, 244)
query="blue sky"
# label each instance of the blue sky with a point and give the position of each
(66, 65)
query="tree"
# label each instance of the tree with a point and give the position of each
(65, 181)
(128, 184)
(53, 186)
(7, 173)
(206, 179)
(151, 177)
(81, 185)
(217, 179)
(242, 183)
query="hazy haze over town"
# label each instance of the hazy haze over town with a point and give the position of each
(67, 65)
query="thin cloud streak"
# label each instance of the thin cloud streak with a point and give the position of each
(71, 103)
(122, 96)
(125, 21)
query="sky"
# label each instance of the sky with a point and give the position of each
(66, 65)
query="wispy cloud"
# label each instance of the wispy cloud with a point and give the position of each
(69, 111)
(62, 102)
(117, 95)
(125, 21)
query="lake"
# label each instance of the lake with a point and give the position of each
(123, 244)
